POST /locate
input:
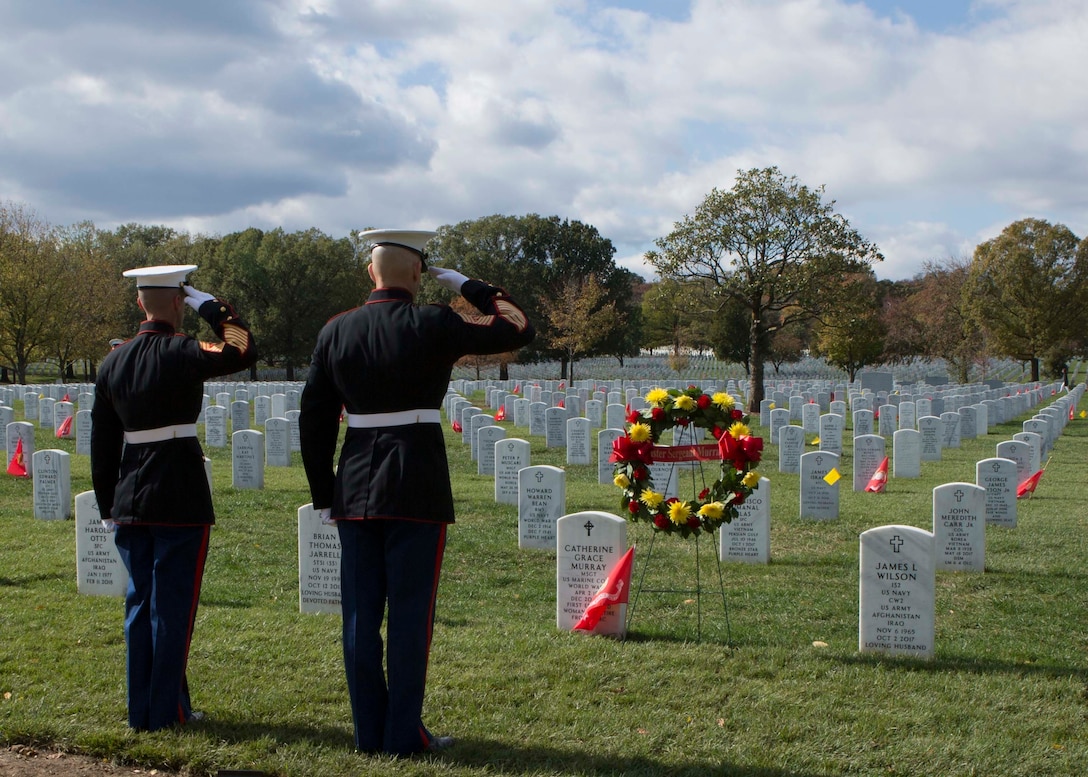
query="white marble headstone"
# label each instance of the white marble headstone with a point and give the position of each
(318, 563)
(868, 454)
(99, 569)
(52, 475)
(931, 427)
(589, 545)
(747, 538)
(998, 477)
(819, 498)
(486, 438)
(511, 455)
(215, 426)
(907, 453)
(247, 459)
(897, 584)
(542, 500)
(959, 527)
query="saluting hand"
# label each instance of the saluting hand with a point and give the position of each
(194, 298)
(448, 279)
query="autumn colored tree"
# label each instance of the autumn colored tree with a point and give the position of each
(580, 317)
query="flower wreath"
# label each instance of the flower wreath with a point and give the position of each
(736, 449)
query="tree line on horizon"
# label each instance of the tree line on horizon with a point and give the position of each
(767, 271)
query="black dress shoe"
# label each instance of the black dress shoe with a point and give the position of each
(438, 744)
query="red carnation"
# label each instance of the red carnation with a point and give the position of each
(632, 506)
(693, 522)
(703, 401)
(683, 421)
(737, 414)
(658, 414)
(626, 449)
(703, 494)
(633, 416)
(738, 498)
(640, 473)
(753, 448)
(717, 431)
(661, 521)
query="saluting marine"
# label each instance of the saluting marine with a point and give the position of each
(388, 363)
(147, 467)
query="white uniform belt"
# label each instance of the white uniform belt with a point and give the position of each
(399, 418)
(160, 434)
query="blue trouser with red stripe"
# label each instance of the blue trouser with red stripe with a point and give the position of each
(165, 566)
(399, 562)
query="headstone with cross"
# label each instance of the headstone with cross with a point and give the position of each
(542, 499)
(998, 477)
(819, 486)
(747, 538)
(896, 610)
(589, 546)
(959, 527)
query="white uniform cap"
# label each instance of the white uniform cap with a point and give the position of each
(163, 276)
(415, 239)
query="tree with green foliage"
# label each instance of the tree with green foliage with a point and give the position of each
(1027, 288)
(534, 258)
(288, 285)
(850, 335)
(31, 298)
(770, 244)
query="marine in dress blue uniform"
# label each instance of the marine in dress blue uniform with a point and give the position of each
(388, 364)
(147, 468)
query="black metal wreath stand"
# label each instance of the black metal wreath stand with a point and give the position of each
(697, 592)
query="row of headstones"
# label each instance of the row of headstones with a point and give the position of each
(540, 491)
(898, 564)
(50, 469)
(590, 544)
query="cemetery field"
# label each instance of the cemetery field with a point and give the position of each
(774, 687)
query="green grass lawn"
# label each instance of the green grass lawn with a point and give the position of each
(1006, 694)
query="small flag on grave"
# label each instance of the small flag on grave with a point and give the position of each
(614, 591)
(457, 427)
(879, 478)
(500, 414)
(65, 428)
(832, 477)
(1028, 486)
(17, 466)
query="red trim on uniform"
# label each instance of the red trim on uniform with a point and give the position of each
(430, 619)
(198, 576)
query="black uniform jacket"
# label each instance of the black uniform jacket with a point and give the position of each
(386, 356)
(157, 379)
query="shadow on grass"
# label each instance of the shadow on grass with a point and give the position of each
(965, 664)
(493, 756)
(26, 580)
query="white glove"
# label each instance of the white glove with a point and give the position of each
(448, 279)
(109, 524)
(194, 298)
(326, 516)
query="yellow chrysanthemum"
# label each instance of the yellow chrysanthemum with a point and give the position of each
(750, 479)
(712, 510)
(684, 402)
(739, 430)
(722, 400)
(679, 512)
(657, 397)
(651, 498)
(622, 480)
(639, 432)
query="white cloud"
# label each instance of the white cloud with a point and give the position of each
(338, 115)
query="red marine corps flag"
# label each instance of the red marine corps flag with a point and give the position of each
(17, 466)
(879, 478)
(65, 428)
(1028, 486)
(500, 415)
(614, 591)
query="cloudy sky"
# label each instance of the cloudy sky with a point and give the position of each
(932, 124)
